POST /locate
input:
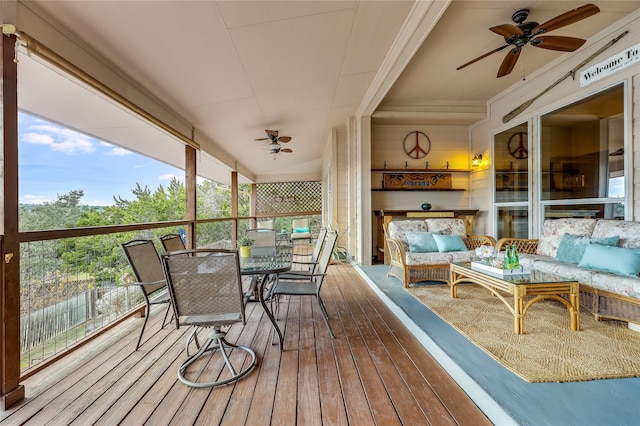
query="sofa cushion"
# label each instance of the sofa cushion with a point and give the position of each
(628, 231)
(622, 261)
(421, 242)
(448, 243)
(572, 247)
(447, 226)
(562, 269)
(554, 229)
(626, 286)
(397, 228)
(437, 258)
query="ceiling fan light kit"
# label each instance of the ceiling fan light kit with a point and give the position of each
(530, 32)
(275, 140)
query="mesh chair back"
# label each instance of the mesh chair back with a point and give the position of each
(317, 249)
(145, 262)
(172, 242)
(205, 286)
(327, 251)
(266, 224)
(299, 223)
(262, 237)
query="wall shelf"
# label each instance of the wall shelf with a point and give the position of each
(423, 170)
(418, 189)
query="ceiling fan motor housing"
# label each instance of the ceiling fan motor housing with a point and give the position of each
(519, 16)
(274, 147)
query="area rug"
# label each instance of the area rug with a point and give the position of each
(548, 351)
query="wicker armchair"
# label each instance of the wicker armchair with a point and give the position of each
(437, 271)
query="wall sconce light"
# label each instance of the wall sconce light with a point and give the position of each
(476, 160)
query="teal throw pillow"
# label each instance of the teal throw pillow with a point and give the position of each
(421, 242)
(621, 261)
(301, 230)
(572, 247)
(447, 243)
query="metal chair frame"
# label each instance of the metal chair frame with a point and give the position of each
(172, 242)
(205, 287)
(147, 268)
(304, 284)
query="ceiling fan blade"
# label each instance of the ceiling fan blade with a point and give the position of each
(507, 30)
(483, 56)
(262, 139)
(509, 62)
(284, 139)
(567, 18)
(564, 44)
(273, 133)
(286, 150)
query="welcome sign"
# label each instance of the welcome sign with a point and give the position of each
(615, 63)
(416, 181)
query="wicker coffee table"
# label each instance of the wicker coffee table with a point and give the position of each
(538, 285)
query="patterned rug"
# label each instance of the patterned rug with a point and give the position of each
(548, 351)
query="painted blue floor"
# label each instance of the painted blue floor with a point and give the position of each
(503, 396)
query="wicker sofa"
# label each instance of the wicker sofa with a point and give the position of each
(411, 267)
(605, 290)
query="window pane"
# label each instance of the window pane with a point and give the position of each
(511, 164)
(582, 148)
(513, 222)
(614, 210)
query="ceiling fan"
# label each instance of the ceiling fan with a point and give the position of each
(275, 147)
(517, 36)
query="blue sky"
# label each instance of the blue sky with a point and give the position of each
(54, 160)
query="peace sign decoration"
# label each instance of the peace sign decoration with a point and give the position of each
(416, 144)
(517, 145)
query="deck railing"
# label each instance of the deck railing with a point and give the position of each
(75, 283)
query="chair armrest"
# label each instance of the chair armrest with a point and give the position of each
(474, 241)
(524, 246)
(397, 253)
(304, 255)
(290, 276)
(144, 283)
(304, 263)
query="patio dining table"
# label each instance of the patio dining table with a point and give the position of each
(262, 267)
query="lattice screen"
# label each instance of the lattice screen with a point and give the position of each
(288, 197)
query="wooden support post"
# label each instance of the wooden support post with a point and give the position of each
(12, 390)
(190, 194)
(234, 203)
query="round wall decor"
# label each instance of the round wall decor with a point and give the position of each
(416, 144)
(517, 145)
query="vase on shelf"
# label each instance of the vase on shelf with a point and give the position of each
(425, 206)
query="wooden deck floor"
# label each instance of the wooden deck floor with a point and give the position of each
(373, 372)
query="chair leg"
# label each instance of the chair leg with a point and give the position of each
(216, 340)
(144, 324)
(166, 313)
(325, 315)
(192, 336)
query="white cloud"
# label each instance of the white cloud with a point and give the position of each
(35, 199)
(119, 152)
(167, 176)
(72, 146)
(59, 139)
(37, 139)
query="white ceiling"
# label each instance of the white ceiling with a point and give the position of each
(235, 68)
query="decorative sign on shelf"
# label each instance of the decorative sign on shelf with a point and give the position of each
(416, 180)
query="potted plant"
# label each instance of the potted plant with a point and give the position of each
(244, 246)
